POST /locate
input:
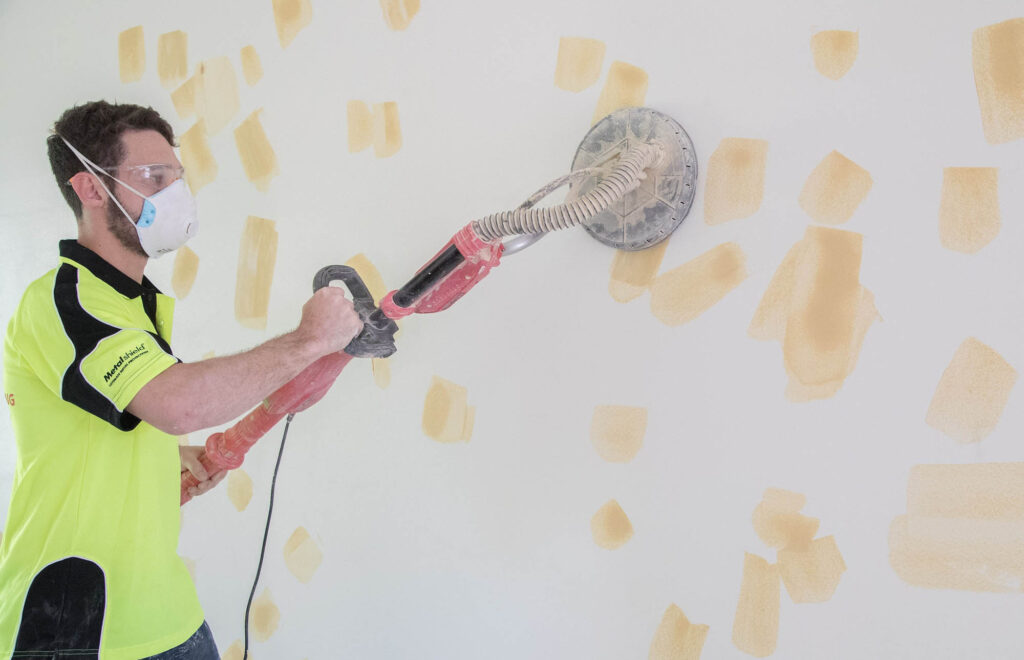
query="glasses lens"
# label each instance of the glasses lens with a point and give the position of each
(160, 175)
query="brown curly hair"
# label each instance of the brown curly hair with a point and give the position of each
(95, 129)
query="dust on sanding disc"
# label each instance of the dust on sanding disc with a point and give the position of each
(649, 214)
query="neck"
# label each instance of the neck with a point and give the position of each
(111, 250)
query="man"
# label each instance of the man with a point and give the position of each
(88, 561)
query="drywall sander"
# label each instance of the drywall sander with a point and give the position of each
(631, 184)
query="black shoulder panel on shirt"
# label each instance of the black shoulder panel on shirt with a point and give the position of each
(162, 343)
(85, 331)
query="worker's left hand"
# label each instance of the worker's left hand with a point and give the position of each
(190, 462)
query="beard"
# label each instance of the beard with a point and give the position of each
(123, 230)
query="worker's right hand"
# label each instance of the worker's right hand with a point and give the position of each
(329, 321)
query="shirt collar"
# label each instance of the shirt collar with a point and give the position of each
(94, 263)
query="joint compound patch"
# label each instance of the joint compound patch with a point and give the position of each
(834, 189)
(257, 255)
(379, 127)
(239, 488)
(834, 52)
(810, 568)
(252, 68)
(969, 211)
(755, 629)
(617, 432)
(186, 263)
(235, 652)
(998, 56)
(197, 158)
(735, 182)
(677, 638)
(387, 130)
(302, 555)
(360, 126)
(184, 98)
(216, 92)
(172, 58)
(610, 526)
(812, 573)
(778, 522)
(963, 529)
(816, 307)
(446, 416)
(625, 87)
(633, 271)
(687, 291)
(579, 63)
(264, 617)
(399, 13)
(972, 393)
(291, 17)
(258, 158)
(131, 54)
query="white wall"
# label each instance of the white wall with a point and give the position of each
(484, 550)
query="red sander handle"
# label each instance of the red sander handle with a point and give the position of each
(225, 451)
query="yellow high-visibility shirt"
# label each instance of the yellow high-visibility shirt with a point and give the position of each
(91, 480)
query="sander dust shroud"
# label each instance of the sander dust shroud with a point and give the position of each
(632, 182)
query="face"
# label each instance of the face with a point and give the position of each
(140, 148)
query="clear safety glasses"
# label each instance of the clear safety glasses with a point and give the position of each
(154, 176)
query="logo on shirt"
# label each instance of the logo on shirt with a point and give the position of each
(127, 358)
(9, 397)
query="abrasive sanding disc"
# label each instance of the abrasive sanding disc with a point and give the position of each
(650, 213)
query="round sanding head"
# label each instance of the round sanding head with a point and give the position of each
(650, 213)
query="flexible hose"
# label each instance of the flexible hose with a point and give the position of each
(522, 241)
(623, 178)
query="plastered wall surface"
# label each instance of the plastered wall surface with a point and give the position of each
(733, 450)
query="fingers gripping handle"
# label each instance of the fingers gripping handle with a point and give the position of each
(188, 480)
(226, 451)
(377, 338)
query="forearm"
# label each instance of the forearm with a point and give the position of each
(189, 397)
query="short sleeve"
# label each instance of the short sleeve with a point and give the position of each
(112, 360)
(122, 363)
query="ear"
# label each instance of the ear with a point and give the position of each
(89, 191)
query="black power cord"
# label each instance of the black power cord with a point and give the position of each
(266, 530)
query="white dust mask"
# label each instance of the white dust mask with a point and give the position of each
(168, 217)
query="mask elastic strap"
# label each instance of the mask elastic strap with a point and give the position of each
(96, 170)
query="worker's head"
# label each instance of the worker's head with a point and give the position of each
(106, 159)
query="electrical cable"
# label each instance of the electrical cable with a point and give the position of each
(266, 530)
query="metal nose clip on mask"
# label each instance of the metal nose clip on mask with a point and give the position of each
(168, 217)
